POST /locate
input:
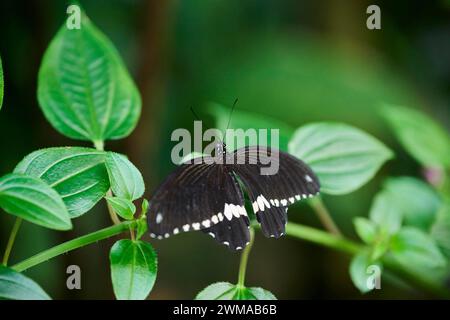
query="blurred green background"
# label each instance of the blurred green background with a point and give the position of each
(294, 60)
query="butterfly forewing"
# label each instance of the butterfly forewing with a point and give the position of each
(200, 196)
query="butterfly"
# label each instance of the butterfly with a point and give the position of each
(203, 194)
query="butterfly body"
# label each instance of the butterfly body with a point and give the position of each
(205, 194)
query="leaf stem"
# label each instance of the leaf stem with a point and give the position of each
(100, 145)
(112, 214)
(12, 238)
(74, 244)
(324, 216)
(322, 238)
(244, 260)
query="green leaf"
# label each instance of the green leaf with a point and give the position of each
(1, 84)
(133, 269)
(418, 202)
(247, 120)
(142, 227)
(440, 231)
(385, 214)
(421, 136)
(228, 291)
(78, 174)
(84, 88)
(362, 272)
(365, 229)
(123, 207)
(144, 206)
(33, 200)
(217, 291)
(343, 157)
(261, 294)
(16, 286)
(126, 180)
(414, 248)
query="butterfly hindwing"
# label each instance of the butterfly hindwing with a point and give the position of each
(270, 194)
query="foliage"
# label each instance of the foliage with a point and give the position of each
(86, 93)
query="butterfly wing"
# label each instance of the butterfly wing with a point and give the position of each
(271, 194)
(200, 196)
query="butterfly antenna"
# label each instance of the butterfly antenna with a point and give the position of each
(195, 114)
(198, 118)
(231, 113)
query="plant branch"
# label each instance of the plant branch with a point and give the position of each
(100, 145)
(112, 214)
(324, 216)
(74, 244)
(244, 260)
(350, 247)
(12, 238)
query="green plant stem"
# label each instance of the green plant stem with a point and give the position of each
(12, 238)
(100, 145)
(324, 216)
(322, 238)
(112, 214)
(337, 242)
(74, 244)
(244, 260)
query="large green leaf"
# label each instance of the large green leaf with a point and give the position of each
(84, 88)
(420, 135)
(16, 286)
(247, 120)
(33, 200)
(1, 84)
(228, 291)
(417, 201)
(343, 157)
(133, 269)
(78, 174)
(126, 180)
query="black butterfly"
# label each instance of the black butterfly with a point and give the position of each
(199, 195)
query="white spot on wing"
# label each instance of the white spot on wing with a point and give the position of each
(176, 231)
(291, 199)
(298, 197)
(255, 207)
(196, 226)
(308, 178)
(159, 218)
(186, 227)
(283, 202)
(206, 223)
(212, 234)
(214, 219)
(228, 211)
